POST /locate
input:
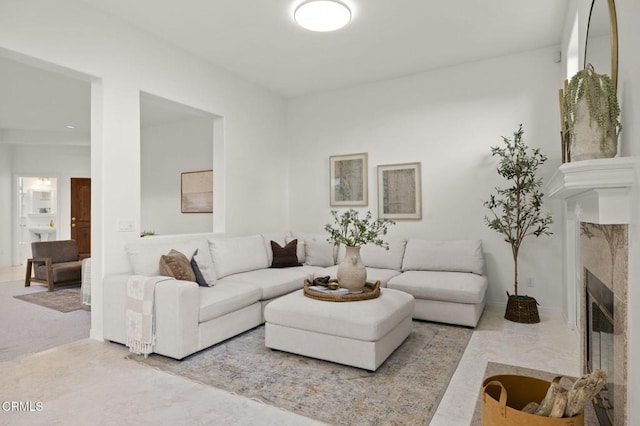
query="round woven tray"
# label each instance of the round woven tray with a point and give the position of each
(370, 291)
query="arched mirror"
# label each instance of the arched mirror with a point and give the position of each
(601, 48)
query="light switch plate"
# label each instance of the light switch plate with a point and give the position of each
(126, 225)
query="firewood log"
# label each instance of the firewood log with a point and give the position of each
(531, 407)
(559, 405)
(585, 388)
(547, 403)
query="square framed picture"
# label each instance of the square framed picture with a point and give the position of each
(399, 191)
(196, 192)
(348, 179)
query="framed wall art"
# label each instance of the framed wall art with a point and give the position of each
(348, 179)
(197, 192)
(399, 191)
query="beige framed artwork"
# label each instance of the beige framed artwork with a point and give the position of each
(197, 192)
(399, 191)
(348, 179)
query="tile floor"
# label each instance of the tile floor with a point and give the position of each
(90, 382)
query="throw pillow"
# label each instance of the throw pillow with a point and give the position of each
(284, 257)
(176, 265)
(203, 262)
(199, 272)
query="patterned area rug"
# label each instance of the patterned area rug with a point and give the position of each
(406, 389)
(62, 300)
(494, 368)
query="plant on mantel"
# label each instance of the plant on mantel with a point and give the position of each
(517, 209)
(599, 94)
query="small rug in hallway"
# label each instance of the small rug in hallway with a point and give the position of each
(62, 300)
(406, 389)
(494, 368)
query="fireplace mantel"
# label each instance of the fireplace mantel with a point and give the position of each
(597, 191)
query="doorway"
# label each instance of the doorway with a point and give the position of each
(37, 212)
(81, 215)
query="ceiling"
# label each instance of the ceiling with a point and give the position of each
(259, 41)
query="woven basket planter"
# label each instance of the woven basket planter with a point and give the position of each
(522, 309)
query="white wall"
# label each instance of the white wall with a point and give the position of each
(5, 207)
(446, 119)
(167, 151)
(121, 62)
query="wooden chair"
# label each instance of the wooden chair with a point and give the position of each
(54, 263)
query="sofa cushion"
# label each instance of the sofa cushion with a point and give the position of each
(302, 238)
(379, 257)
(284, 257)
(144, 256)
(318, 253)
(457, 287)
(225, 298)
(455, 256)
(274, 282)
(176, 265)
(373, 274)
(238, 254)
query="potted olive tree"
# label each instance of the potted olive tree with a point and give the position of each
(353, 232)
(517, 212)
(591, 115)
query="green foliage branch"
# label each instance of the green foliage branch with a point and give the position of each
(602, 102)
(351, 230)
(517, 209)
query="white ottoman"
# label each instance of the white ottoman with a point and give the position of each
(361, 334)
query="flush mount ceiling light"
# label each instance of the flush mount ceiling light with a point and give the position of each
(322, 15)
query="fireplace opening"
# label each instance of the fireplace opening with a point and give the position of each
(599, 343)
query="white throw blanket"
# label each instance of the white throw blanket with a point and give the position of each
(141, 313)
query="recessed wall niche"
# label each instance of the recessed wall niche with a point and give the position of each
(174, 138)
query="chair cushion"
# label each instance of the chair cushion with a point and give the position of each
(59, 251)
(225, 297)
(457, 287)
(62, 272)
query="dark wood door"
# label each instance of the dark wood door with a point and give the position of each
(81, 215)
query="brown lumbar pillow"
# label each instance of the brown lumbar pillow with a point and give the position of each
(284, 257)
(176, 265)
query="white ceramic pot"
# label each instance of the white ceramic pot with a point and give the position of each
(352, 273)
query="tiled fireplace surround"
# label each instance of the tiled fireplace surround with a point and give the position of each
(598, 197)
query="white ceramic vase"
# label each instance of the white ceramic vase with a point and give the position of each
(352, 273)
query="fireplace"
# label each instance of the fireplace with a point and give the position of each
(599, 348)
(600, 196)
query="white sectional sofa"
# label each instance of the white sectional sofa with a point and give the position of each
(446, 279)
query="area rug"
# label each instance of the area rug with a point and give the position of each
(406, 389)
(62, 300)
(494, 368)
